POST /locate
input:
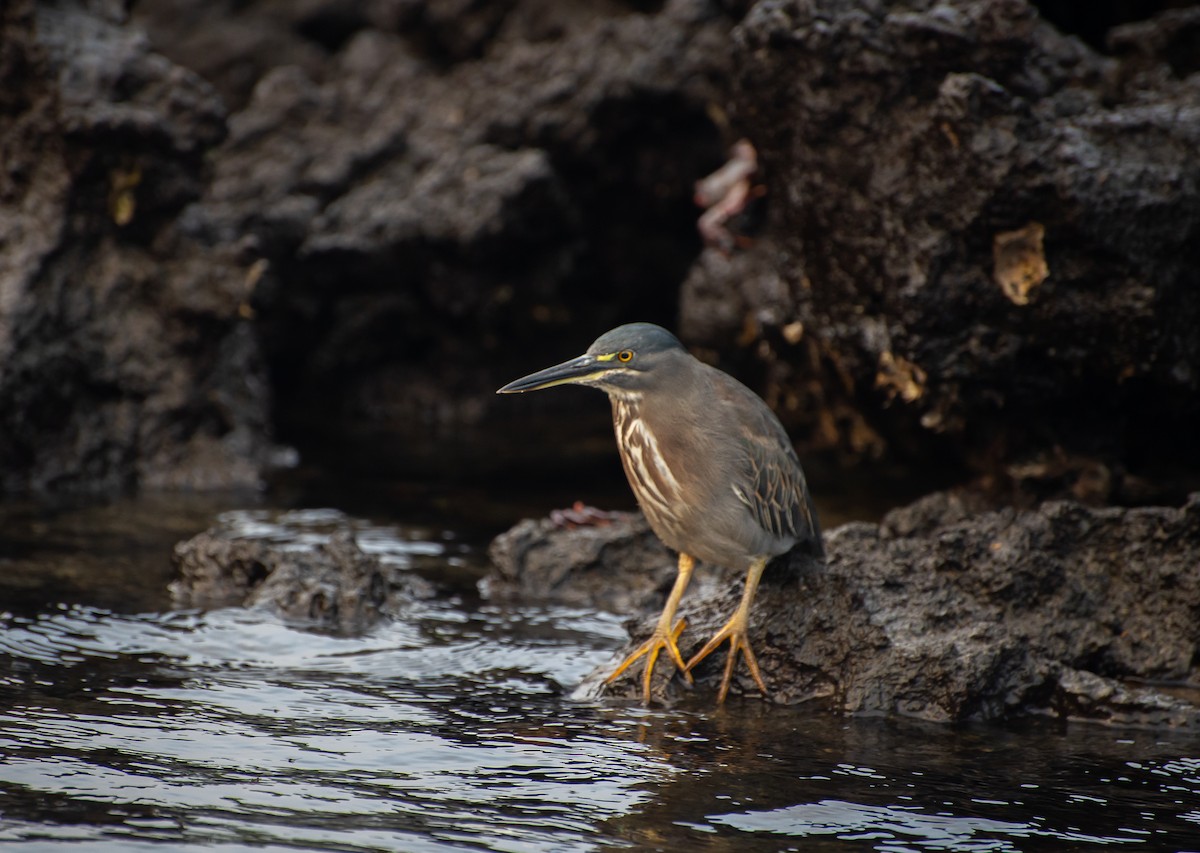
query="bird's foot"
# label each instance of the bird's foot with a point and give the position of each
(659, 640)
(735, 631)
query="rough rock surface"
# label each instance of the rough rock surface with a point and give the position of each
(378, 203)
(980, 241)
(447, 181)
(945, 613)
(983, 238)
(576, 565)
(332, 585)
(125, 358)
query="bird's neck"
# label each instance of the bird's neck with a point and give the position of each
(625, 407)
(623, 396)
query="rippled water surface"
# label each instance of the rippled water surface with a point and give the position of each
(125, 724)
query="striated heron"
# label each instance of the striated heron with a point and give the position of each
(712, 469)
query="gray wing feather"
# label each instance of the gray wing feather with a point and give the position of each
(771, 482)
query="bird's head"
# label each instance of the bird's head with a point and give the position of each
(624, 362)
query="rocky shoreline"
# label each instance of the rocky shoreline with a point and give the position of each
(944, 611)
(235, 234)
(941, 612)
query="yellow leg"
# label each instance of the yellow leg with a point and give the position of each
(735, 630)
(665, 633)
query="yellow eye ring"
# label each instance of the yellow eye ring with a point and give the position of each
(624, 355)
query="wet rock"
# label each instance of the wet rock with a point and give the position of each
(945, 613)
(619, 565)
(982, 240)
(126, 357)
(332, 585)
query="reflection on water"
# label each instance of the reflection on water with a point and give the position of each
(450, 729)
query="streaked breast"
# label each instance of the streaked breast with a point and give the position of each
(655, 486)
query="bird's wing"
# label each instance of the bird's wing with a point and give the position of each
(770, 481)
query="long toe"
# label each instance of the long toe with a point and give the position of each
(735, 632)
(709, 647)
(740, 643)
(650, 650)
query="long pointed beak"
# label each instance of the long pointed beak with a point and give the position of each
(577, 371)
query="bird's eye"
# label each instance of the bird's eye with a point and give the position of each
(624, 355)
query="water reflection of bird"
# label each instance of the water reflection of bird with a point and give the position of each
(712, 469)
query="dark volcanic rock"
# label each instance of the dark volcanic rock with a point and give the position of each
(332, 585)
(470, 176)
(125, 358)
(947, 614)
(980, 243)
(620, 565)
(390, 196)
(984, 237)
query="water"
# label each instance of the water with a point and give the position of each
(126, 725)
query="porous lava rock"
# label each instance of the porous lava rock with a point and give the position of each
(340, 220)
(126, 356)
(331, 584)
(943, 612)
(982, 241)
(444, 192)
(620, 565)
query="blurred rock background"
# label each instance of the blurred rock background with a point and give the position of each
(228, 226)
